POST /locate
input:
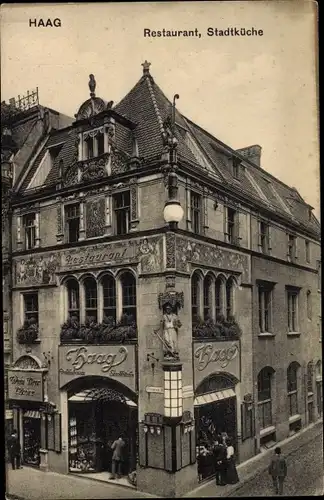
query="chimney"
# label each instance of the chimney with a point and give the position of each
(252, 153)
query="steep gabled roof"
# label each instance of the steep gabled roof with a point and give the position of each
(147, 106)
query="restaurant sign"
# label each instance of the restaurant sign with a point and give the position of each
(25, 385)
(115, 362)
(113, 253)
(216, 357)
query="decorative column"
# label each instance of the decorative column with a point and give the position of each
(134, 205)
(59, 217)
(80, 147)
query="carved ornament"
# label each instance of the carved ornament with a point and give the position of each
(175, 299)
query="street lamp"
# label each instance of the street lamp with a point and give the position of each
(172, 391)
(173, 211)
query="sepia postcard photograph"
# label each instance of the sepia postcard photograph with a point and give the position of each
(161, 250)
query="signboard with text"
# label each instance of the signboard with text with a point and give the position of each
(25, 385)
(113, 361)
(216, 357)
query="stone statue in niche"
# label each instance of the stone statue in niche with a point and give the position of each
(170, 326)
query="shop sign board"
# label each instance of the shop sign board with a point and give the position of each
(154, 390)
(113, 361)
(25, 385)
(216, 357)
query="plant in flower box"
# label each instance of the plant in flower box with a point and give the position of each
(203, 328)
(125, 328)
(28, 333)
(70, 329)
(89, 330)
(105, 329)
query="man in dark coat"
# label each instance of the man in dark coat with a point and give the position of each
(278, 471)
(118, 457)
(220, 457)
(14, 450)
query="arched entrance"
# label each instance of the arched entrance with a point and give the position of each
(100, 410)
(215, 414)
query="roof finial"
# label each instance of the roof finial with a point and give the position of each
(146, 67)
(92, 85)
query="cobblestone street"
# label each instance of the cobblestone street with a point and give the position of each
(305, 474)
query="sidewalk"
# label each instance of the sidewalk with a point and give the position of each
(32, 484)
(252, 467)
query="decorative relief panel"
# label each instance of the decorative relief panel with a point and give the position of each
(71, 176)
(150, 255)
(94, 169)
(188, 251)
(119, 162)
(59, 218)
(95, 218)
(36, 270)
(170, 251)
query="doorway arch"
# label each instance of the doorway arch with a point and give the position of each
(99, 411)
(215, 414)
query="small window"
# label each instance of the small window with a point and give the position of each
(291, 248)
(292, 388)
(307, 251)
(236, 168)
(72, 221)
(207, 296)
(196, 219)
(309, 304)
(31, 307)
(265, 309)
(264, 237)
(122, 212)
(229, 298)
(109, 297)
(231, 226)
(29, 222)
(100, 144)
(195, 298)
(89, 147)
(292, 300)
(90, 291)
(73, 299)
(218, 297)
(128, 284)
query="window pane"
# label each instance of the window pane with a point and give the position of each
(129, 294)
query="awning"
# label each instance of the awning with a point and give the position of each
(32, 414)
(211, 397)
(100, 394)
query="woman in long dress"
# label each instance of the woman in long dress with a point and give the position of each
(231, 472)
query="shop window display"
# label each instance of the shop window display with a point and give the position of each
(31, 430)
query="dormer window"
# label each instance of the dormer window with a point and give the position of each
(89, 147)
(236, 168)
(93, 143)
(101, 144)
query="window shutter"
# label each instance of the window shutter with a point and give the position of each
(57, 432)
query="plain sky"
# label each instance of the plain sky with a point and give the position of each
(243, 90)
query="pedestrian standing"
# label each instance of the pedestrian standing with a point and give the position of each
(231, 472)
(278, 471)
(117, 458)
(14, 450)
(219, 457)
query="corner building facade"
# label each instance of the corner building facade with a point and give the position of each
(95, 266)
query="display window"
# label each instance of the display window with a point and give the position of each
(31, 438)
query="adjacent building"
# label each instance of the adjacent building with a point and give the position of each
(165, 288)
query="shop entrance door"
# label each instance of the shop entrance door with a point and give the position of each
(31, 438)
(213, 419)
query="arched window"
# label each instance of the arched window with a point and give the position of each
(109, 296)
(91, 299)
(207, 294)
(310, 377)
(128, 284)
(73, 298)
(264, 397)
(229, 297)
(218, 297)
(292, 387)
(195, 298)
